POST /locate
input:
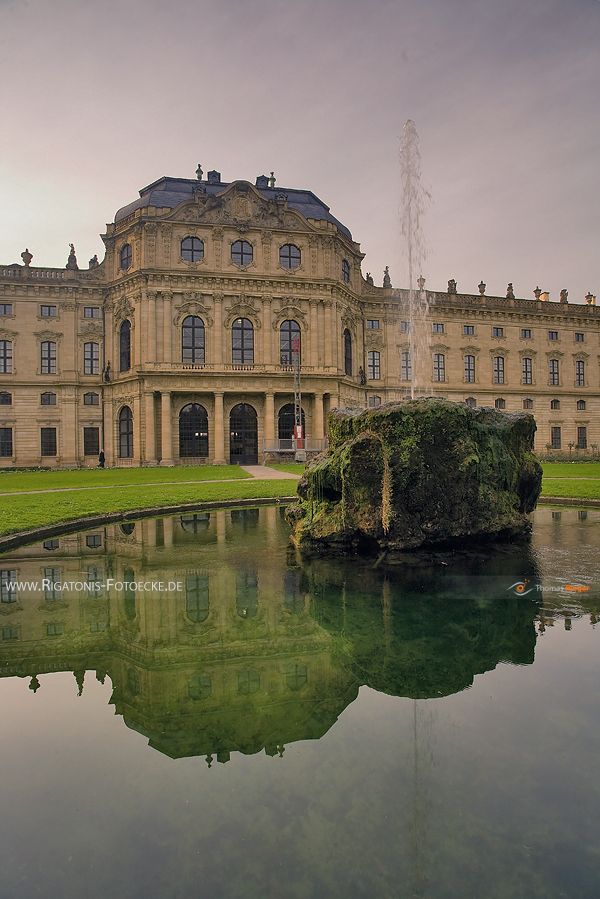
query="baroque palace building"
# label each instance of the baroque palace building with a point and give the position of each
(181, 345)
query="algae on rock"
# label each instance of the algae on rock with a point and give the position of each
(417, 473)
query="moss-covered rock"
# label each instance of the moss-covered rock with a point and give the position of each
(416, 473)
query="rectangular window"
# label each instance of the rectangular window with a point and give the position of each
(582, 437)
(469, 330)
(91, 358)
(48, 357)
(439, 367)
(404, 327)
(580, 373)
(91, 399)
(55, 629)
(48, 441)
(374, 401)
(92, 312)
(497, 332)
(406, 362)
(373, 324)
(469, 369)
(438, 327)
(555, 438)
(498, 371)
(527, 370)
(579, 337)
(8, 592)
(10, 633)
(525, 333)
(93, 541)
(373, 366)
(553, 372)
(6, 357)
(552, 335)
(91, 441)
(52, 575)
(48, 311)
(6, 442)
(6, 309)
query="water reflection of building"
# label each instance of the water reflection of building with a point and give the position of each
(251, 650)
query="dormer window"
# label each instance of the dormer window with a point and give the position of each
(345, 271)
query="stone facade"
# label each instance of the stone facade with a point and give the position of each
(178, 347)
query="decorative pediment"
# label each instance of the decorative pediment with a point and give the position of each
(580, 357)
(470, 350)
(526, 354)
(440, 348)
(91, 329)
(290, 312)
(375, 339)
(48, 335)
(242, 207)
(349, 319)
(122, 310)
(245, 307)
(193, 307)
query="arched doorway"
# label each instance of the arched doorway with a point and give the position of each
(285, 422)
(243, 435)
(193, 431)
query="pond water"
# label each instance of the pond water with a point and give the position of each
(199, 714)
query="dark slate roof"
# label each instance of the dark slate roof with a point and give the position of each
(170, 192)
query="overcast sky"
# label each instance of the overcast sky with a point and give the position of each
(99, 99)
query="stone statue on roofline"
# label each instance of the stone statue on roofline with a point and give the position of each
(482, 286)
(564, 296)
(510, 294)
(590, 299)
(452, 286)
(94, 261)
(387, 281)
(72, 260)
(421, 282)
(369, 279)
(26, 256)
(199, 172)
(537, 292)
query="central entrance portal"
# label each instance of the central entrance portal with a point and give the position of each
(243, 435)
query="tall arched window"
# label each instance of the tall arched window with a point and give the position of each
(347, 352)
(289, 342)
(285, 422)
(125, 346)
(125, 257)
(193, 431)
(345, 271)
(125, 433)
(197, 601)
(242, 342)
(192, 340)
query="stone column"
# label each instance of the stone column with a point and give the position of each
(219, 441)
(167, 328)
(318, 418)
(269, 419)
(150, 442)
(151, 305)
(166, 429)
(314, 332)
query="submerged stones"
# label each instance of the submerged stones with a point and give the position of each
(417, 473)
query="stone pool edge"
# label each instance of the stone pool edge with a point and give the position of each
(13, 541)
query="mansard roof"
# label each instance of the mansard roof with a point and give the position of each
(170, 192)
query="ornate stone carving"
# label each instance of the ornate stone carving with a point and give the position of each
(192, 307)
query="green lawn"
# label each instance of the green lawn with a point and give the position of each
(14, 481)
(291, 467)
(19, 513)
(571, 469)
(584, 489)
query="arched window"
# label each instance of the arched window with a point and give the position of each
(581, 405)
(289, 256)
(285, 422)
(192, 340)
(243, 435)
(91, 399)
(199, 686)
(125, 346)
(345, 271)
(471, 402)
(196, 523)
(296, 676)
(125, 257)
(128, 528)
(48, 398)
(125, 433)
(5, 398)
(48, 357)
(347, 352)
(555, 404)
(193, 431)
(192, 249)
(242, 252)
(197, 604)
(242, 342)
(246, 594)
(439, 367)
(289, 342)
(500, 403)
(91, 358)
(528, 403)
(6, 357)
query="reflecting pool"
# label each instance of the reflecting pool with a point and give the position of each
(189, 710)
